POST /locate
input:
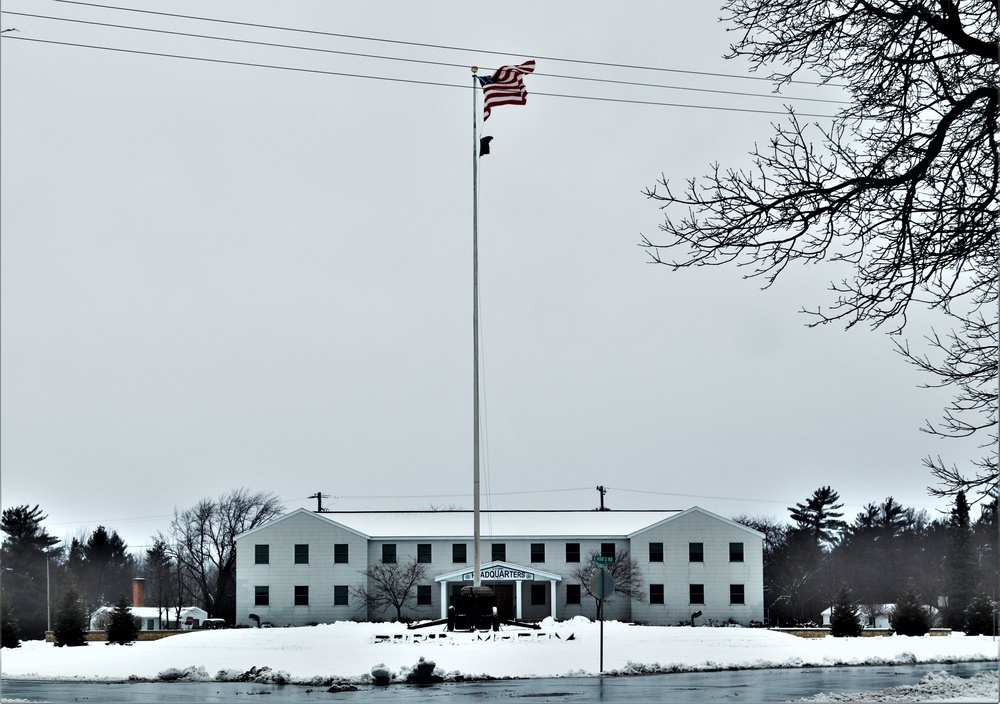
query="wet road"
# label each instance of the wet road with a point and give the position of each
(743, 686)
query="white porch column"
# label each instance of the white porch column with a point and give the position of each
(517, 599)
(444, 599)
(552, 584)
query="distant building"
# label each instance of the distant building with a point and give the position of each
(151, 618)
(304, 567)
(877, 615)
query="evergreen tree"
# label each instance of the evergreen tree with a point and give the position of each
(159, 570)
(71, 619)
(844, 618)
(26, 548)
(962, 563)
(122, 628)
(979, 616)
(910, 617)
(101, 567)
(820, 517)
(10, 632)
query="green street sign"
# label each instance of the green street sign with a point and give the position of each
(603, 559)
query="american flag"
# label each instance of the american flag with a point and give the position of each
(505, 87)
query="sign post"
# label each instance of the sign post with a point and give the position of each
(602, 585)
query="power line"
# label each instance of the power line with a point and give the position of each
(434, 46)
(426, 62)
(454, 496)
(401, 80)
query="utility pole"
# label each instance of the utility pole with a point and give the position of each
(602, 491)
(319, 500)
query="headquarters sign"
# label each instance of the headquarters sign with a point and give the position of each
(501, 573)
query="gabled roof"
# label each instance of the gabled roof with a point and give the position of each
(697, 509)
(303, 512)
(495, 525)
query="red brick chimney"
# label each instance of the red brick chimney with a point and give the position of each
(138, 592)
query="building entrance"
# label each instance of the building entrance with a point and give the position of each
(504, 594)
(505, 600)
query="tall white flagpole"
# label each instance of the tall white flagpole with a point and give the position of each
(477, 572)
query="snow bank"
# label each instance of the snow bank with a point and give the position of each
(934, 687)
(347, 651)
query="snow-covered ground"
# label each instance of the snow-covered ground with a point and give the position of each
(348, 651)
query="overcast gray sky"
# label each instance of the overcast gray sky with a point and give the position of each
(219, 275)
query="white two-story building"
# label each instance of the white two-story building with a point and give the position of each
(307, 567)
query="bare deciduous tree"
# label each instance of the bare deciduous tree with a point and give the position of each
(900, 190)
(204, 540)
(625, 570)
(391, 584)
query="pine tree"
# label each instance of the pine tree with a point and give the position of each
(122, 628)
(962, 564)
(26, 548)
(71, 620)
(10, 631)
(979, 616)
(820, 517)
(910, 617)
(844, 618)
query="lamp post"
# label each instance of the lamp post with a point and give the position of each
(48, 590)
(48, 597)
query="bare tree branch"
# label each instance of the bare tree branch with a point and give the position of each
(901, 189)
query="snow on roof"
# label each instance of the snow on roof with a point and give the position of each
(498, 524)
(154, 612)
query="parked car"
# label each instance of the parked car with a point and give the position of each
(212, 623)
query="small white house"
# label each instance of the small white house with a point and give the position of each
(877, 615)
(152, 618)
(872, 616)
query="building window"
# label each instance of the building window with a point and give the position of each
(572, 552)
(736, 594)
(458, 553)
(261, 554)
(423, 552)
(261, 595)
(340, 595)
(572, 594)
(423, 595)
(301, 595)
(340, 554)
(736, 552)
(538, 594)
(696, 552)
(538, 552)
(150, 624)
(655, 593)
(389, 553)
(697, 594)
(656, 553)
(608, 550)
(302, 554)
(500, 551)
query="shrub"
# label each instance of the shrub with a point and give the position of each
(122, 626)
(844, 617)
(910, 617)
(10, 631)
(979, 616)
(71, 620)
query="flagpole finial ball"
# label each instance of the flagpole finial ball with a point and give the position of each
(475, 69)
